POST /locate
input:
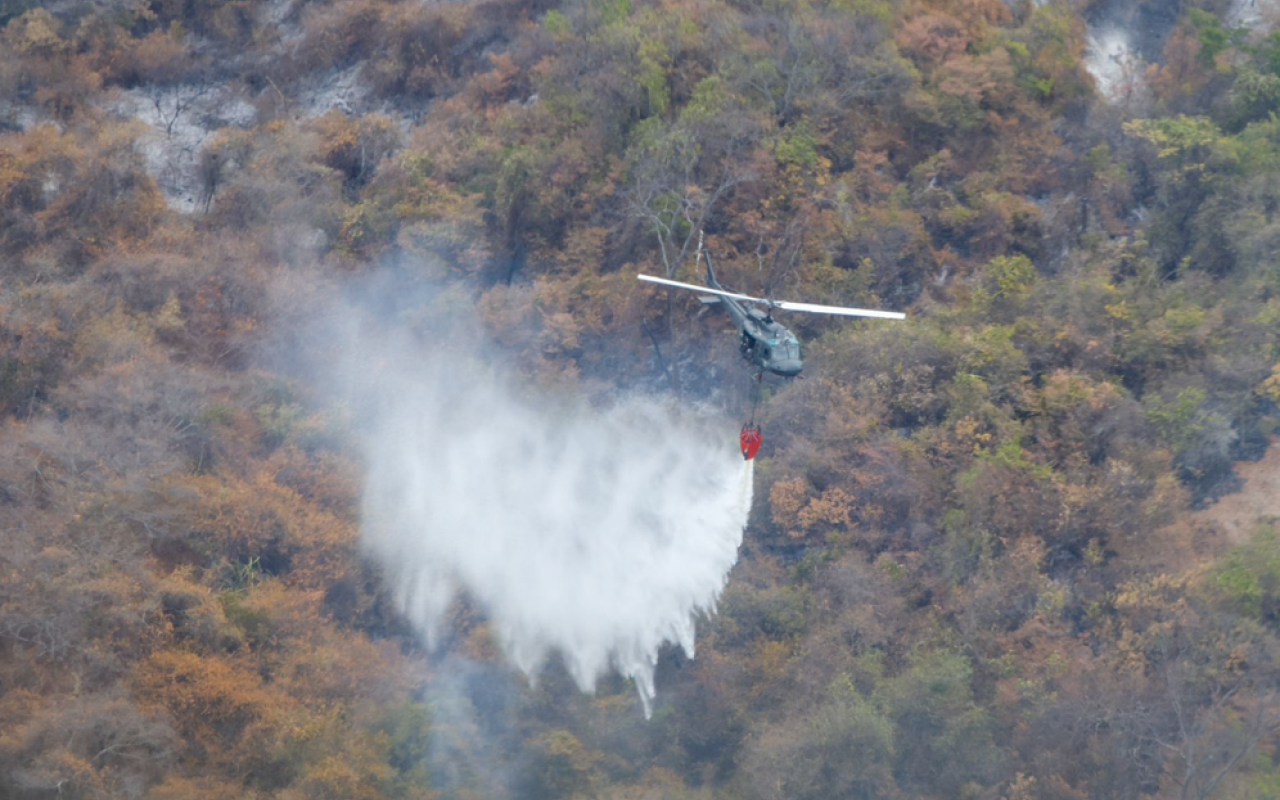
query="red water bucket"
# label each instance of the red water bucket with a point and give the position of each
(750, 440)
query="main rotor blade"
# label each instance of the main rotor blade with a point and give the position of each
(782, 304)
(703, 289)
(847, 312)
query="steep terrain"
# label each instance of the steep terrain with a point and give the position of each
(973, 568)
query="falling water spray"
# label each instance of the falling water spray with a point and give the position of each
(597, 534)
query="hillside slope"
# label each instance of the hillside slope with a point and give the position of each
(958, 580)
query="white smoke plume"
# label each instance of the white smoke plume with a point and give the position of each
(600, 534)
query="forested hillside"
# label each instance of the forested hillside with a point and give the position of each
(968, 574)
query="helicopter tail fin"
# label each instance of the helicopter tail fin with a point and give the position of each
(708, 299)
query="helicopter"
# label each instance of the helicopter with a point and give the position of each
(765, 343)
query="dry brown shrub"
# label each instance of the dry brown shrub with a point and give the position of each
(355, 146)
(219, 705)
(86, 745)
(328, 480)
(175, 787)
(419, 51)
(159, 57)
(80, 192)
(284, 205)
(933, 38)
(337, 35)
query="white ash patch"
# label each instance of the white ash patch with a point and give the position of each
(1258, 16)
(343, 90)
(182, 118)
(339, 89)
(1115, 66)
(283, 16)
(17, 117)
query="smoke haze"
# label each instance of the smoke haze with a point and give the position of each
(599, 534)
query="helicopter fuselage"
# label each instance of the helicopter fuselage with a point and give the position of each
(769, 346)
(765, 343)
